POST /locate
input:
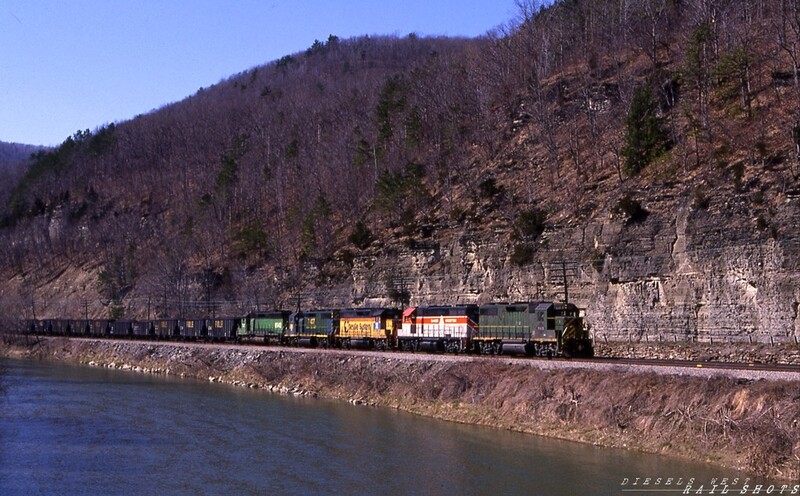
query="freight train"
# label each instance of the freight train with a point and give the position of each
(541, 328)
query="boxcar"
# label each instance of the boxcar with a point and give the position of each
(267, 326)
(438, 328)
(312, 328)
(368, 328)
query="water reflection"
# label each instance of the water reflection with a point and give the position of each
(73, 430)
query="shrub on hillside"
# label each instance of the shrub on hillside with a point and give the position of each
(361, 236)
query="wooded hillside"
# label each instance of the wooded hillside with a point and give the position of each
(261, 189)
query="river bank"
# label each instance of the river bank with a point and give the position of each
(739, 424)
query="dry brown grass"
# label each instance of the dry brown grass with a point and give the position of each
(746, 425)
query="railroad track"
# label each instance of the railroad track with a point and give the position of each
(654, 362)
(760, 366)
(683, 367)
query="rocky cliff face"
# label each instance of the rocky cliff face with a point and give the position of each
(679, 267)
(682, 272)
(481, 178)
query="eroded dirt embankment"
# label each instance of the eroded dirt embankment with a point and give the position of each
(749, 425)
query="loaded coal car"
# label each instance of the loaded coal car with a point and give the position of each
(167, 328)
(57, 327)
(41, 327)
(191, 329)
(265, 326)
(100, 328)
(27, 326)
(312, 328)
(79, 327)
(373, 328)
(533, 329)
(444, 328)
(145, 329)
(61, 327)
(37, 327)
(122, 328)
(221, 328)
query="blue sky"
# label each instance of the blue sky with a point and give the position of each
(67, 65)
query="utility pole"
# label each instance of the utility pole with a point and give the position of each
(397, 289)
(563, 266)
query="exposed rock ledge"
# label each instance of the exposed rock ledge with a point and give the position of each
(741, 424)
(784, 353)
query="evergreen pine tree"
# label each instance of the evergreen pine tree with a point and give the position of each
(644, 137)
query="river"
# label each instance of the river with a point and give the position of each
(67, 429)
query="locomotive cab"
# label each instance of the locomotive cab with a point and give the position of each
(573, 337)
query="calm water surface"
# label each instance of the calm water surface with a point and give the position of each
(76, 430)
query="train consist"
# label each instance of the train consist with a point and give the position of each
(534, 329)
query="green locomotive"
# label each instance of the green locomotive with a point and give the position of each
(533, 329)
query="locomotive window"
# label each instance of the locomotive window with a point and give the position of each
(489, 311)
